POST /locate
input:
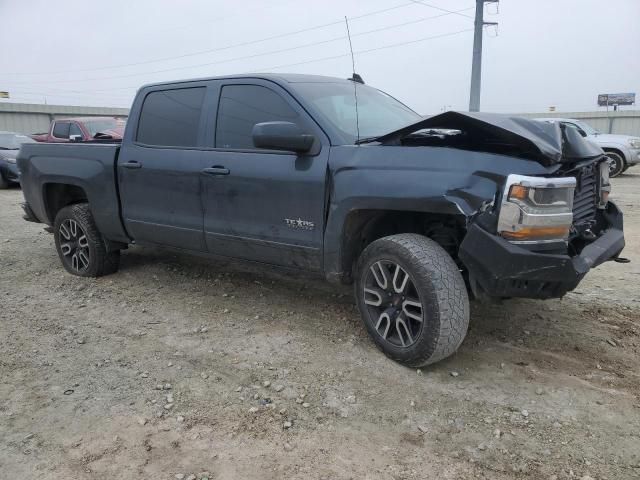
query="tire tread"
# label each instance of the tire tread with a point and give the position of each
(433, 265)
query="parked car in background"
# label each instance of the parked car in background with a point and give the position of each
(82, 130)
(283, 170)
(9, 145)
(623, 150)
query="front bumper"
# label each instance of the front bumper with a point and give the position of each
(9, 171)
(502, 269)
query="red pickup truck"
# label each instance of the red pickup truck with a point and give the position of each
(82, 130)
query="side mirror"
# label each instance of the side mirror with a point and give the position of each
(75, 138)
(281, 136)
(582, 132)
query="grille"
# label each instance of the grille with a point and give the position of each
(585, 198)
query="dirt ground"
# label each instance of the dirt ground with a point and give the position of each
(183, 367)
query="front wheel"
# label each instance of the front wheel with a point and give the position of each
(4, 183)
(617, 164)
(412, 299)
(80, 245)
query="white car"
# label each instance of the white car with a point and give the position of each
(623, 150)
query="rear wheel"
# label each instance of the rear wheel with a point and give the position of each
(80, 245)
(617, 165)
(412, 299)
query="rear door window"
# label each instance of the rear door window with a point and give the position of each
(171, 118)
(241, 107)
(61, 129)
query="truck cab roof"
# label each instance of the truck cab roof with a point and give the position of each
(280, 78)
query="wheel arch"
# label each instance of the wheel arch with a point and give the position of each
(617, 150)
(56, 196)
(363, 226)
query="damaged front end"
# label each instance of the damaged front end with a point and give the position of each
(541, 234)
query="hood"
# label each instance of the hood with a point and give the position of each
(546, 143)
(9, 154)
(602, 138)
(115, 134)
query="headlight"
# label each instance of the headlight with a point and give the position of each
(605, 185)
(634, 142)
(11, 160)
(536, 209)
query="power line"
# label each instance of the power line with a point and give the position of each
(420, 2)
(245, 57)
(315, 60)
(361, 52)
(219, 49)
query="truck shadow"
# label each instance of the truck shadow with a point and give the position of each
(519, 332)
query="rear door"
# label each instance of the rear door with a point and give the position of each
(159, 169)
(262, 205)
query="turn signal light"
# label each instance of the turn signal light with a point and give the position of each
(537, 233)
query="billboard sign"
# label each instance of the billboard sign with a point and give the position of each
(608, 99)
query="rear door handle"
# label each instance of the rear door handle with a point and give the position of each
(132, 164)
(217, 170)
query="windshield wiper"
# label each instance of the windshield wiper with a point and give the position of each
(7, 148)
(367, 140)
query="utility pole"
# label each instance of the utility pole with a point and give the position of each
(476, 66)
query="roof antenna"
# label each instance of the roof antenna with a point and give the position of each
(356, 79)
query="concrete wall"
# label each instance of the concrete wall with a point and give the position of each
(33, 118)
(625, 122)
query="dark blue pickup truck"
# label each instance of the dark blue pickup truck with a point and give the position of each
(336, 177)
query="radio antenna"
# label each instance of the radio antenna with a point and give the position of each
(355, 78)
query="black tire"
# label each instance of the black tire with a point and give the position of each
(4, 183)
(82, 249)
(618, 165)
(434, 278)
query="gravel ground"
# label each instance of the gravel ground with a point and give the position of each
(184, 367)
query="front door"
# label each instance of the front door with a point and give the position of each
(160, 171)
(262, 205)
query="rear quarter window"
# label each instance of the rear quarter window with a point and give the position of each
(171, 117)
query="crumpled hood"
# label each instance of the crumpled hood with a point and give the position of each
(547, 143)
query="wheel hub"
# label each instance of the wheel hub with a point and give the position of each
(393, 304)
(74, 245)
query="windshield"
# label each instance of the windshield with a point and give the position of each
(378, 113)
(12, 141)
(102, 126)
(589, 130)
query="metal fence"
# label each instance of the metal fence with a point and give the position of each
(625, 122)
(34, 118)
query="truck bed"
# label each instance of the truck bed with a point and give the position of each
(90, 168)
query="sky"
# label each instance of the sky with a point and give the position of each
(543, 53)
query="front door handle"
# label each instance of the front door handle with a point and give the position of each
(132, 164)
(217, 170)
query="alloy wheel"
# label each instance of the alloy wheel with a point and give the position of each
(74, 245)
(393, 304)
(616, 164)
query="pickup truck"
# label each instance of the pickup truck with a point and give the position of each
(82, 129)
(338, 178)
